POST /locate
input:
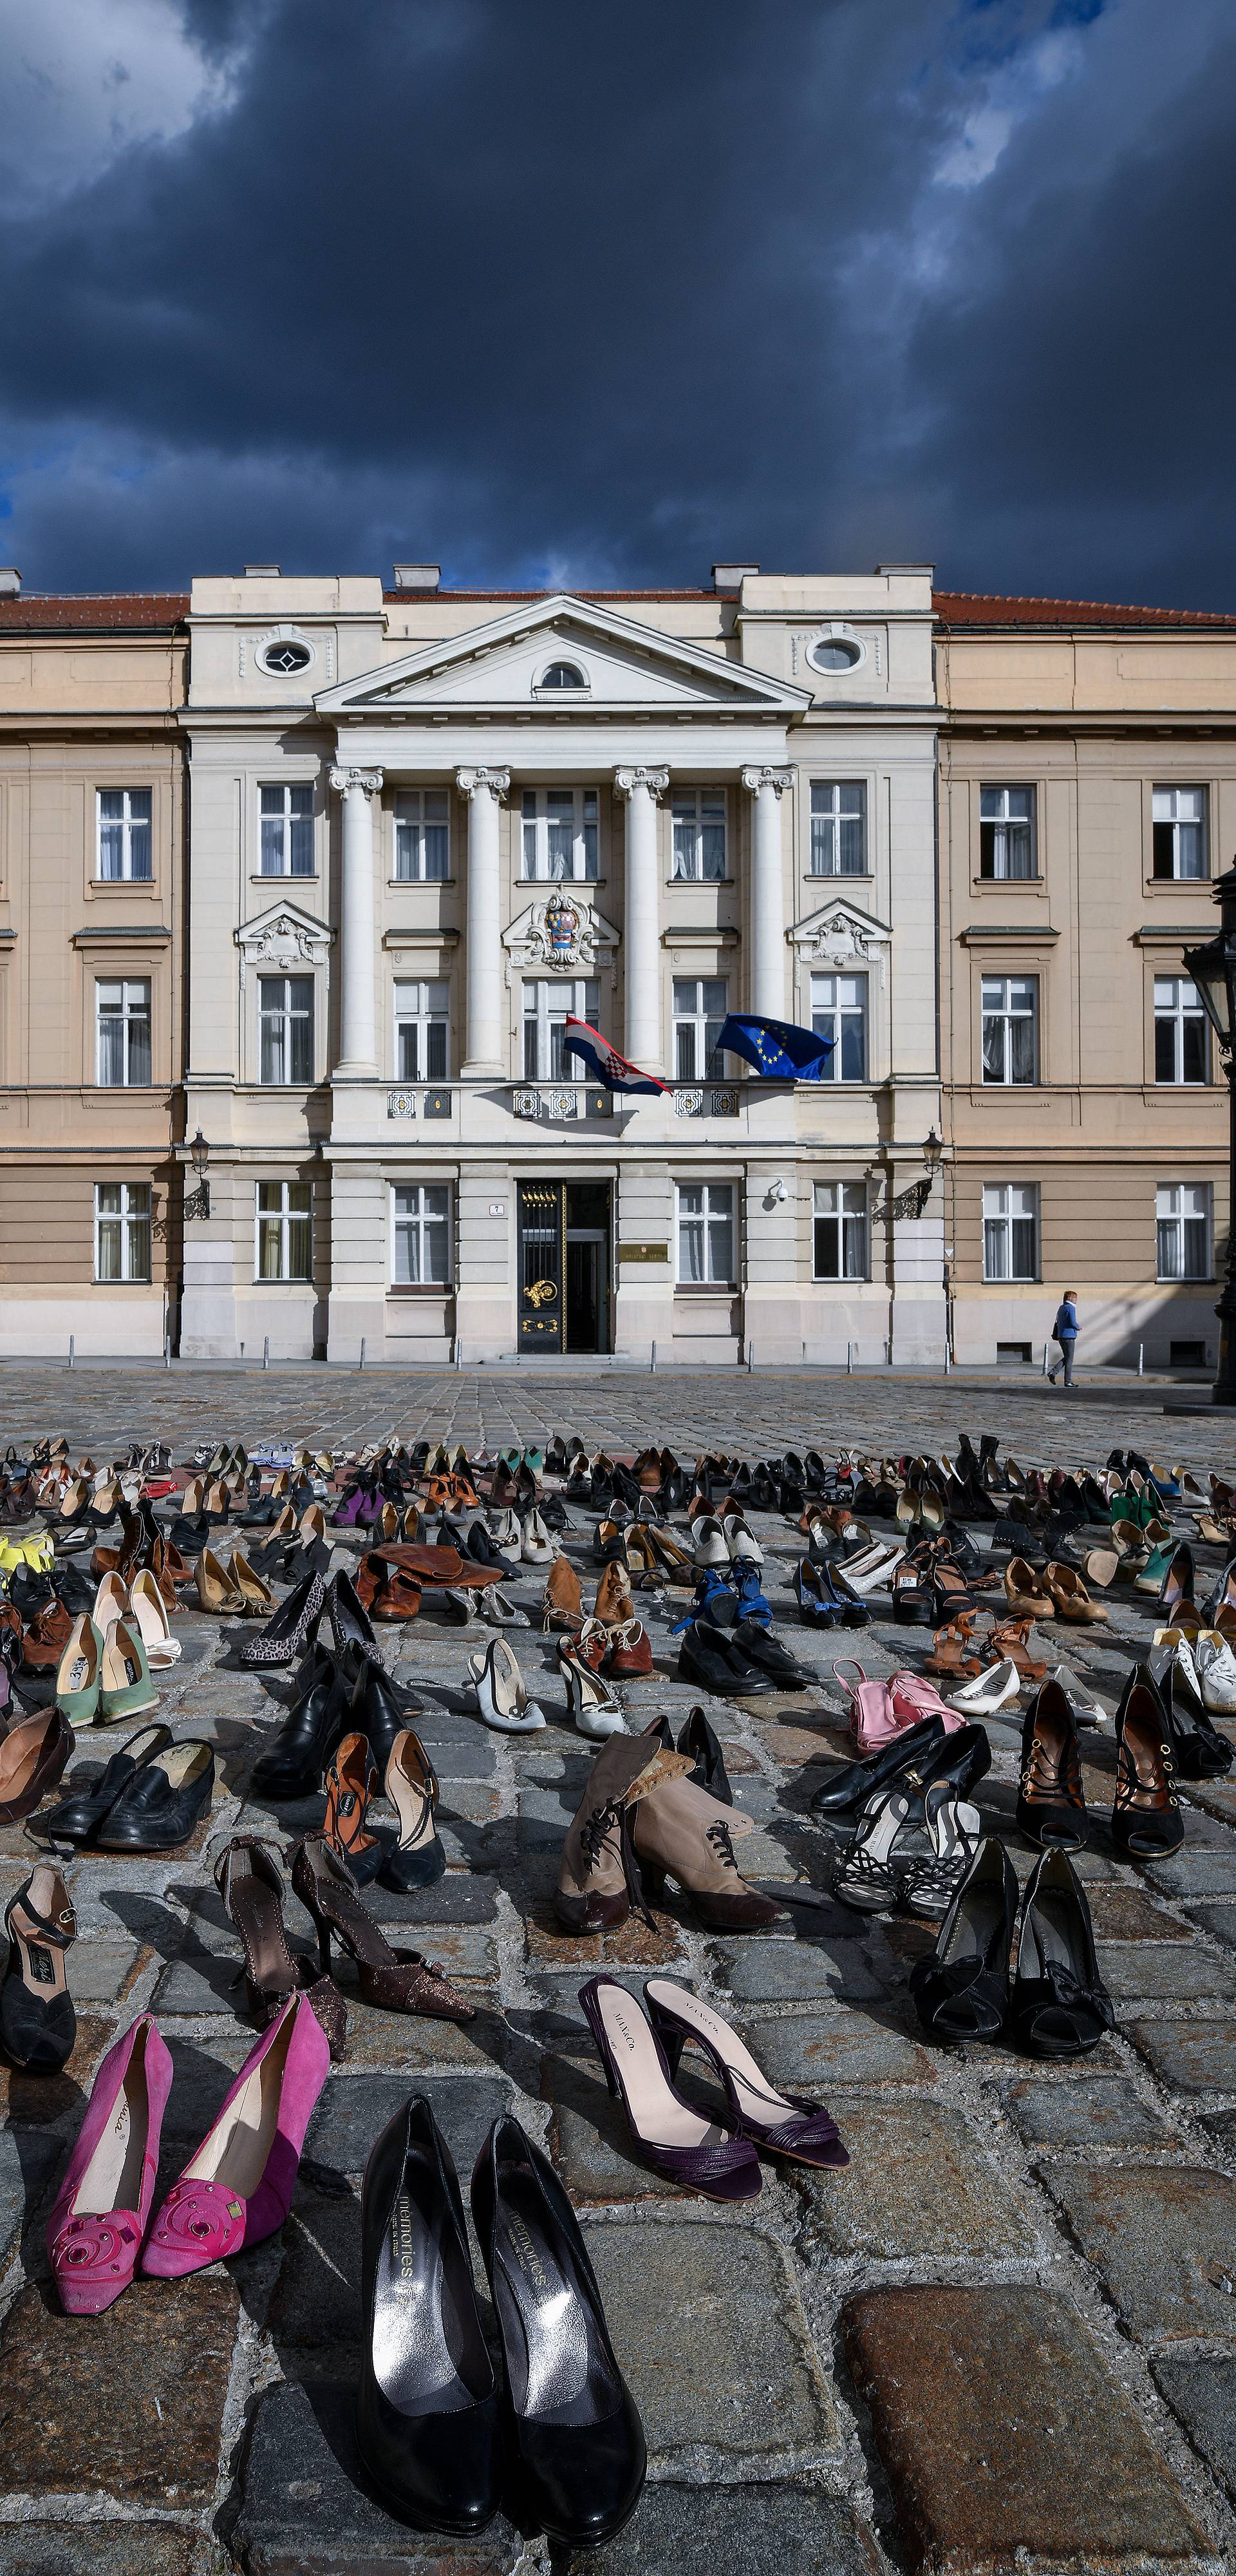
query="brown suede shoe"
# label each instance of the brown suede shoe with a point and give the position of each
(614, 1604)
(563, 1603)
(46, 1638)
(593, 1891)
(682, 1833)
(32, 1757)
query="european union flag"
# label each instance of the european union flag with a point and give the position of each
(777, 1049)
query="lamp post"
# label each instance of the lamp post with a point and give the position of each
(1213, 969)
(198, 1202)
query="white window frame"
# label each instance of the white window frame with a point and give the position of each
(131, 1219)
(276, 1223)
(1007, 827)
(836, 803)
(550, 816)
(998, 1008)
(578, 687)
(712, 1222)
(1010, 1206)
(136, 815)
(422, 836)
(839, 1005)
(842, 1206)
(1184, 1216)
(279, 825)
(697, 815)
(1166, 815)
(417, 1230)
(1175, 1011)
(285, 1015)
(422, 1008)
(130, 1014)
(550, 1011)
(694, 1018)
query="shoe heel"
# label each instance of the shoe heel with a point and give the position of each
(673, 2040)
(323, 1948)
(652, 1880)
(591, 2015)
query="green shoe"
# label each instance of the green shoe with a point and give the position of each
(535, 1459)
(125, 1687)
(1151, 1577)
(77, 1675)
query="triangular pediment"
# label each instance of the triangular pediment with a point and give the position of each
(284, 937)
(840, 934)
(624, 667)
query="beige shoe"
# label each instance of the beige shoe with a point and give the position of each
(563, 1603)
(257, 1599)
(597, 1870)
(613, 1602)
(150, 1612)
(216, 1590)
(684, 1834)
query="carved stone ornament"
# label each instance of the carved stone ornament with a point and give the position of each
(368, 780)
(627, 780)
(778, 779)
(561, 932)
(470, 781)
(840, 936)
(286, 942)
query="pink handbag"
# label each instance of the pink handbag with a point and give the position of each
(873, 1719)
(915, 1698)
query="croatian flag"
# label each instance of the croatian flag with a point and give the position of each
(603, 1061)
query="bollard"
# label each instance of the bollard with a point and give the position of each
(1046, 1348)
(167, 1350)
(70, 1350)
(652, 1364)
(266, 1350)
(1141, 1359)
(849, 1359)
(947, 1362)
(750, 1357)
(362, 1356)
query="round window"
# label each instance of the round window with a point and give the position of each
(286, 656)
(835, 653)
(563, 675)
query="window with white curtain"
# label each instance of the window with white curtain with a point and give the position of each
(287, 831)
(838, 827)
(284, 1230)
(700, 1006)
(123, 825)
(549, 1001)
(699, 832)
(1006, 832)
(839, 1012)
(1181, 1052)
(840, 1230)
(285, 1012)
(421, 1032)
(421, 1231)
(1182, 1221)
(122, 1034)
(1010, 1028)
(1011, 1230)
(122, 1230)
(561, 832)
(706, 1233)
(422, 834)
(1179, 830)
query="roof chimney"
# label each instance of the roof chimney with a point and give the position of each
(261, 572)
(417, 576)
(10, 582)
(731, 576)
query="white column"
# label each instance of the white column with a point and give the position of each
(641, 961)
(484, 789)
(766, 787)
(358, 1043)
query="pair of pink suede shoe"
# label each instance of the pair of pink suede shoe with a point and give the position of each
(881, 1711)
(233, 2192)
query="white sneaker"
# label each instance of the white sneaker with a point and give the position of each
(500, 1694)
(988, 1691)
(1216, 1672)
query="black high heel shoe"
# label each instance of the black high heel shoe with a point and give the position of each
(1060, 2006)
(284, 1637)
(699, 1740)
(428, 2415)
(292, 1765)
(962, 1991)
(574, 2437)
(250, 1883)
(1146, 1820)
(37, 2022)
(1051, 1806)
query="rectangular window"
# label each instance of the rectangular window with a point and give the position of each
(1011, 1230)
(420, 1032)
(839, 1012)
(549, 1001)
(840, 1230)
(1010, 1028)
(838, 827)
(285, 1004)
(122, 1230)
(561, 832)
(1181, 1052)
(699, 833)
(122, 1034)
(1006, 832)
(706, 1233)
(124, 848)
(422, 1225)
(284, 1230)
(1182, 1219)
(422, 834)
(1180, 832)
(699, 1009)
(287, 832)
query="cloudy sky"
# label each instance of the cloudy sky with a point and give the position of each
(597, 291)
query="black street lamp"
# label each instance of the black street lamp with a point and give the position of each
(1213, 969)
(198, 1202)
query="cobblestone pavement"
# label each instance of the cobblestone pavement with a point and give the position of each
(1009, 2327)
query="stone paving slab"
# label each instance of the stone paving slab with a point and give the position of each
(129, 2404)
(918, 2185)
(1189, 2056)
(1202, 2392)
(307, 2512)
(1163, 2241)
(155, 2548)
(1106, 2111)
(698, 2531)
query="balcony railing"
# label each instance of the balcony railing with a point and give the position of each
(420, 1100)
(558, 1100)
(706, 1099)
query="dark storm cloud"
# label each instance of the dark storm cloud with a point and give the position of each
(598, 294)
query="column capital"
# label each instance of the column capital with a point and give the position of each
(471, 781)
(777, 779)
(627, 780)
(369, 781)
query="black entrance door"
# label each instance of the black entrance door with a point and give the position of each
(541, 1265)
(587, 1266)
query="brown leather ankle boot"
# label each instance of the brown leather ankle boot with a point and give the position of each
(597, 1871)
(683, 1833)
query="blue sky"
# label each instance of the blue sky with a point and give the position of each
(599, 294)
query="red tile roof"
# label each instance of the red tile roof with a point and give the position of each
(93, 612)
(982, 608)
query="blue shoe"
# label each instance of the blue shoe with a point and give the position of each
(751, 1601)
(714, 1601)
